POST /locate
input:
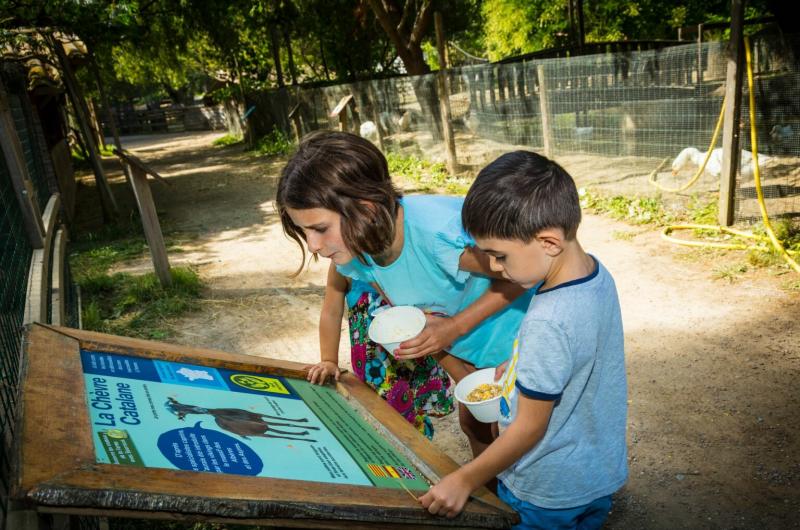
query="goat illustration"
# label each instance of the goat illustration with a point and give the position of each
(243, 422)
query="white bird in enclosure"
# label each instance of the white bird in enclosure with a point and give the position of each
(368, 130)
(693, 157)
(404, 122)
(782, 134)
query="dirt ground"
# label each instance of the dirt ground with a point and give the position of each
(713, 365)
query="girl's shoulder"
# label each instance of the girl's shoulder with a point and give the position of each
(432, 212)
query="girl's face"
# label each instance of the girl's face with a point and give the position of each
(323, 231)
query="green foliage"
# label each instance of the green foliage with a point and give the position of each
(225, 141)
(703, 212)
(431, 55)
(275, 143)
(424, 175)
(514, 27)
(635, 210)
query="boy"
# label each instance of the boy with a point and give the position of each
(561, 451)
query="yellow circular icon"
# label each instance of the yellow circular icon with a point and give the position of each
(256, 382)
(116, 433)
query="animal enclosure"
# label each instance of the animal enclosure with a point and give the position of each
(625, 111)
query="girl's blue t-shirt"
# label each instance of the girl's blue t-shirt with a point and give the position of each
(426, 275)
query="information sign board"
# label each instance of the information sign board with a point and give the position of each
(117, 426)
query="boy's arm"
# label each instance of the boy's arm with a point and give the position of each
(439, 333)
(330, 327)
(451, 493)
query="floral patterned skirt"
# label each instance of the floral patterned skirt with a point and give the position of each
(416, 388)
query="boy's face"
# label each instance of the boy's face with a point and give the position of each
(523, 263)
(323, 231)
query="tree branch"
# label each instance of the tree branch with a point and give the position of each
(391, 30)
(408, 8)
(421, 23)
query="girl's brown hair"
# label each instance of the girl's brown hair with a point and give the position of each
(348, 175)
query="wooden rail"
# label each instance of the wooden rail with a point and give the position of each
(147, 211)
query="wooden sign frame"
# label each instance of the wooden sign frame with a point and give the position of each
(57, 470)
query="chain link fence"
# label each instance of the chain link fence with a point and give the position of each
(613, 120)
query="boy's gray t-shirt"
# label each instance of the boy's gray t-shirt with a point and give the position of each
(570, 350)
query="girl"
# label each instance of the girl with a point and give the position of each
(416, 388)
(336, 195)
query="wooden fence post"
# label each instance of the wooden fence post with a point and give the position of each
(544, 109)
(37, 300)
(294, 115)
(730, 131)
(152, 229)
(340, 111)
(376, 117)
(58, 288)
(15, 160)
(444, 98)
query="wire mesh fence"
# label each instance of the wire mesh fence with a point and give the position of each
(613, 120)
(15, 261)
(15, 257)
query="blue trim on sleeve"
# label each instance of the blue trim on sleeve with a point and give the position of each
(575, 282)
(537, 395)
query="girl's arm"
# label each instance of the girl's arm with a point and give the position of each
(439, 333)
(330, 328)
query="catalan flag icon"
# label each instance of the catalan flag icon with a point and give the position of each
(386, 471)
(377, 470)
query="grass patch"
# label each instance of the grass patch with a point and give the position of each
(729, 272)
(702, 211)
(425, 175)
(275, 143)
(137, 306)
(228, 139)
(635, 210)
(82, 162)
(127, 304)
(623, 235)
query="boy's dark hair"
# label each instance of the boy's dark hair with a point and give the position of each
(519, 195)
(347, 174)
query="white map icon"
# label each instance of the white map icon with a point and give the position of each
(193, 375)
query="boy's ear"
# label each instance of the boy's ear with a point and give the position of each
(552, 241)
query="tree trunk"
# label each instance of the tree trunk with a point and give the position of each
(276, 53)
(324, 61)
(288, 41)
(409, 49)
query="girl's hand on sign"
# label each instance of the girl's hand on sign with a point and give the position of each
(319, 373)
(438, 334)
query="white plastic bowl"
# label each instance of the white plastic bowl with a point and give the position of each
(484, 411)
(394, 325)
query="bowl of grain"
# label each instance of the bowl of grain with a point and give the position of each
(397, 324)
(480, 393)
